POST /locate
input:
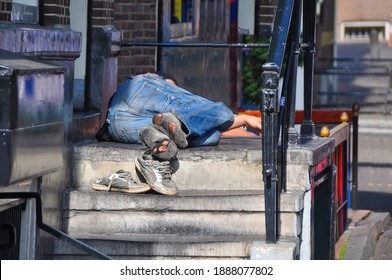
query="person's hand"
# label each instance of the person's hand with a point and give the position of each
(252, 122)
(248, 121)
(241, 121)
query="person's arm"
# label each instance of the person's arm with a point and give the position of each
(248, 121)
(241, 121)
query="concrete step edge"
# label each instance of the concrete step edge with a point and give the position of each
(291, 201)
(174, 247)
(121, 224)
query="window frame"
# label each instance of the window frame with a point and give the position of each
(364, 24)
(181, 30)
(23, 4)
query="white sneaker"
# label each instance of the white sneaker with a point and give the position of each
(121, 181)
(157, 174)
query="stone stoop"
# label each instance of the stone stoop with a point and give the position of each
(219, 212)
(169, 248)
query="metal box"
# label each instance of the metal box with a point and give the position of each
(31, 118)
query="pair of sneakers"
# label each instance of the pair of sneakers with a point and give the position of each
(156, 173)
(163, 138)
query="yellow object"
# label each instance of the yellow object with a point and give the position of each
(324, 132)
(344, 117)
(178, 9)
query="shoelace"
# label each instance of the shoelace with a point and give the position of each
(121, 174)
(164, 169)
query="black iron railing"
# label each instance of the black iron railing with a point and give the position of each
(270, 108)
(278, 122)
(193, 45)
(54, 232)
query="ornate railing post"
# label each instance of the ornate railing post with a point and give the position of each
(269, 108)
(354, 174)
(309, 48)
(270, 119)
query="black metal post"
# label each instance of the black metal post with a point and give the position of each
(256, 15)
(270, 108)
(332, 213)
(159, 36)
(292, 136)
(283, 120)
(287, 105)
(354, 186)
(270, 78)
(55, 232)
(41, 12)
(88, 79)
(309, 46)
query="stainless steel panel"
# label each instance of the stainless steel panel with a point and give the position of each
(30, 152)
(31, 93)
(31, 118)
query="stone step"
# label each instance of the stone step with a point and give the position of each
(191, 247)
(220, 204)
(245, 201)
(233, 165)
(119, 216)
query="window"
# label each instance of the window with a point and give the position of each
(184, 18)
(361, 31)
(181, 11)
(24, 11)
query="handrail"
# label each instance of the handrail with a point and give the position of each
(59, 234)
(193, 45)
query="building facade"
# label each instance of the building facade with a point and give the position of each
(84, 38)
(78, 37)
(355, 20)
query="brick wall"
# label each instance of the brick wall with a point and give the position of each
(56, 12)
(265, 15)
(266, 11)
(136, 19)
(102, 12)
(362, 10)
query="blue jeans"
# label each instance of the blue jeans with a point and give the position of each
(141, 97)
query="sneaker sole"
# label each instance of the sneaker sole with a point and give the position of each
(140, 188)
(177, 134)
(151, 185)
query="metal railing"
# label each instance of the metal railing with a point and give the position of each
(285, 41)
(192, 45)
(54, 232)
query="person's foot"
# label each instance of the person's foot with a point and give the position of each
(173, 126)
(157, 174)
(156, 138)
(121, 181)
